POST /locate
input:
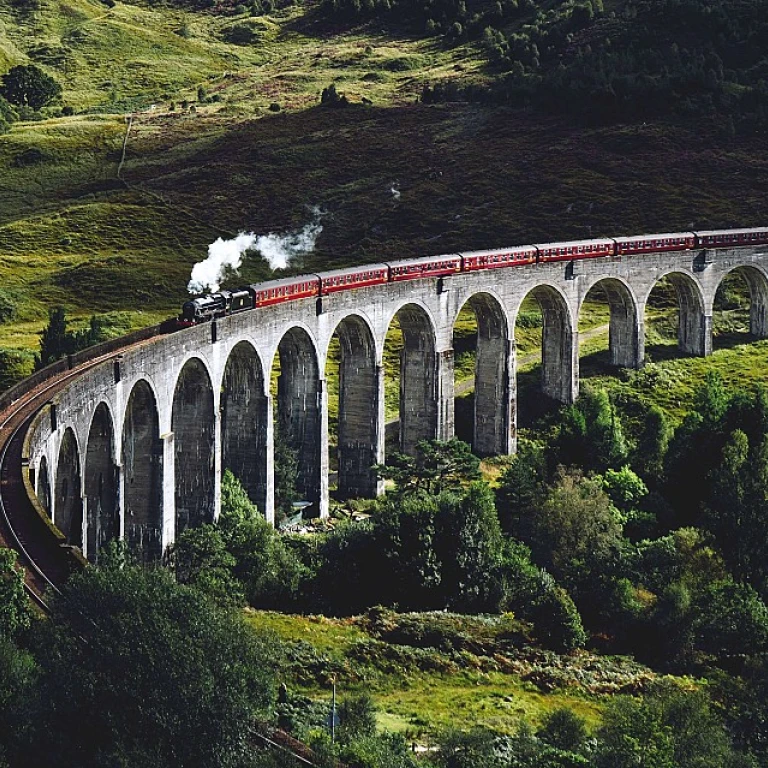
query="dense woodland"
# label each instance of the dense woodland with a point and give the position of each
(606, 63)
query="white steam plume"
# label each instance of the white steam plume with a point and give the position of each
(227, 255)
(395, 191)
(223, 256)
(279, 250)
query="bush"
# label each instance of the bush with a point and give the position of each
(138, 670)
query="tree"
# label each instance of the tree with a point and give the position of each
(576, 530)
(29, 86)
(15, 614)
(201, 560)
(652, 444)
(469, 546)
(522, 488)
(564, 729)
(269, 572)
(669, 728)
(157, 672)
(590, 434)
(53, 338)
(438, 466)
(357, 718)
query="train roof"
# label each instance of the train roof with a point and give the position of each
(423, 260)
(351, 270)
(493, 251)
(571, 243)
(716, 232)
(655, 236)
(283, 282)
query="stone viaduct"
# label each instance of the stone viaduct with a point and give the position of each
(135, 448)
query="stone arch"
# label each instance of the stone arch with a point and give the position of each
(559, 372)
(492, 430)
(625, 337)
(694, 328)
(194, 436)
(418, 377)
(142, 463)
(360, 390)
(244, 420)
(299, 409)
(44, 485)
(101, 484)
(68, 500)
(757, 283)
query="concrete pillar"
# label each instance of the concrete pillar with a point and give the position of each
(194, 426)
(758, 306)
(145, 491)
(217, 468)
(559, 358)
(322, 408)
(381, 425)
(512, 394)
(68, 504)
(694, 333)
(100, 494)
(243, 410)
(359, 394)
(444, 380)
(421, 381)
(269, 475)
(493, 407)
(624, 335)
(299, 406)
(166, 457)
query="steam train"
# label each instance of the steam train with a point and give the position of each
(223, 303)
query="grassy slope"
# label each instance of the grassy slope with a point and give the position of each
(234, 165)
(421, 691)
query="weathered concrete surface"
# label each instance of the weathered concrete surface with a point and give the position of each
(187, 405)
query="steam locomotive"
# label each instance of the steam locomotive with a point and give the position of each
(224, 303)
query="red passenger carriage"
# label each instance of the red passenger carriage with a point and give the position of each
(502, 257)
(670, 241)
(288, 289)
(575, 249)
(434, 266)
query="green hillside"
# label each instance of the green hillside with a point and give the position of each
(189, 124)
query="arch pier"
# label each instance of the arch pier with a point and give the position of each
(135, 448)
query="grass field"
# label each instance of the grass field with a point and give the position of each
(423, 691)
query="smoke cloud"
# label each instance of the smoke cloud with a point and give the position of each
(226, 256)
(280, 250)
(223, 256)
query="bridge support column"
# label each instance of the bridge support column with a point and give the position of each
(217, 468)
(494, 409)
(559, 361)
(444, 394)
(322, 407)
(626, 340)
(512, 392)
(269, 473)
(168, 475)
(694, 334)
(381, 425)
